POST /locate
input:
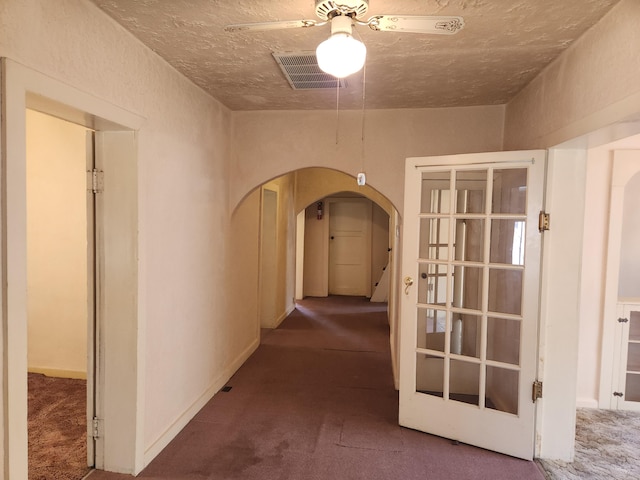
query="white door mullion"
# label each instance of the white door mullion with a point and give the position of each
(485, 288)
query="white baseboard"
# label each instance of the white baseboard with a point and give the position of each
(281, 318)
(58, 372)
(586, 403)
(276, 323)
(170, 433)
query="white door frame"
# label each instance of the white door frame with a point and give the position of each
(24, 88)
(559, 303)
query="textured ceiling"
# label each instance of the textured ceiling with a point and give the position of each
(504, 44)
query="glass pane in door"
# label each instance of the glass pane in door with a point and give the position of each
(464, 385)
(634, 326)
(429, 374)
(632, 388)
(633, 357)
(432, 283)
(434, 238)
(469, 240)
(467, 287)
(509, 191)
(632, 384)
(470, 191)
(505, 291)
(502, 389)
(435, 193)
(507, 241)
(431, 329)
(503, 340)
(465, 334)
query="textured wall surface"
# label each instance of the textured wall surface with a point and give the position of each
(182, 153)
(270, 143)
(595, 82)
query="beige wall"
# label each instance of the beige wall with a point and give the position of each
(313, 184)
(594, 83)
(284, 280)
(56, 246)
(267, 144)
(242, 267)
(189, 346)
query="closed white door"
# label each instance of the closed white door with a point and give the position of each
(350, 247)
(471, 266)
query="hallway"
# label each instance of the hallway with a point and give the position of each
(316, 401)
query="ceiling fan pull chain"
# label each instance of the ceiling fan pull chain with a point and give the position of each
(364, 78)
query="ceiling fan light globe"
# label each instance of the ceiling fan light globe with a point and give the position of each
(341, 55)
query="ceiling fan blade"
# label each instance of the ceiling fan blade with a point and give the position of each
(242, 27)
(416, 24)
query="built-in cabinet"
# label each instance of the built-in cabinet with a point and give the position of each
(626, 374)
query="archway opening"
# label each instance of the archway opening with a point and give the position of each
(292, 252)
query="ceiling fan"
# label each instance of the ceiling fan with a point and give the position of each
(342, 55)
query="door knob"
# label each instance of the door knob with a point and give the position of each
(408, 281)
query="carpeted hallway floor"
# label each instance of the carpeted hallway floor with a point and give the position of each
(317, 401)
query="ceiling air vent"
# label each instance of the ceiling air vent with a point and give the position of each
(302, 71)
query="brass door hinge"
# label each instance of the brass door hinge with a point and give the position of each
(543, 221)
(536, 391)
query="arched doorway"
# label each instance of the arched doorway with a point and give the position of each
(276, 211)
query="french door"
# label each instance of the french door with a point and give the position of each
(471, 266)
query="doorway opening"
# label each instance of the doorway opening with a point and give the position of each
(60, 292)
(291, 217)
(346, 247)
(118, 378)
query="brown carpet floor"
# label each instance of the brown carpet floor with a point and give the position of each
(57, 428)
(316, 401)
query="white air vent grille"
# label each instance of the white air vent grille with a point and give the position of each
(302, 72)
